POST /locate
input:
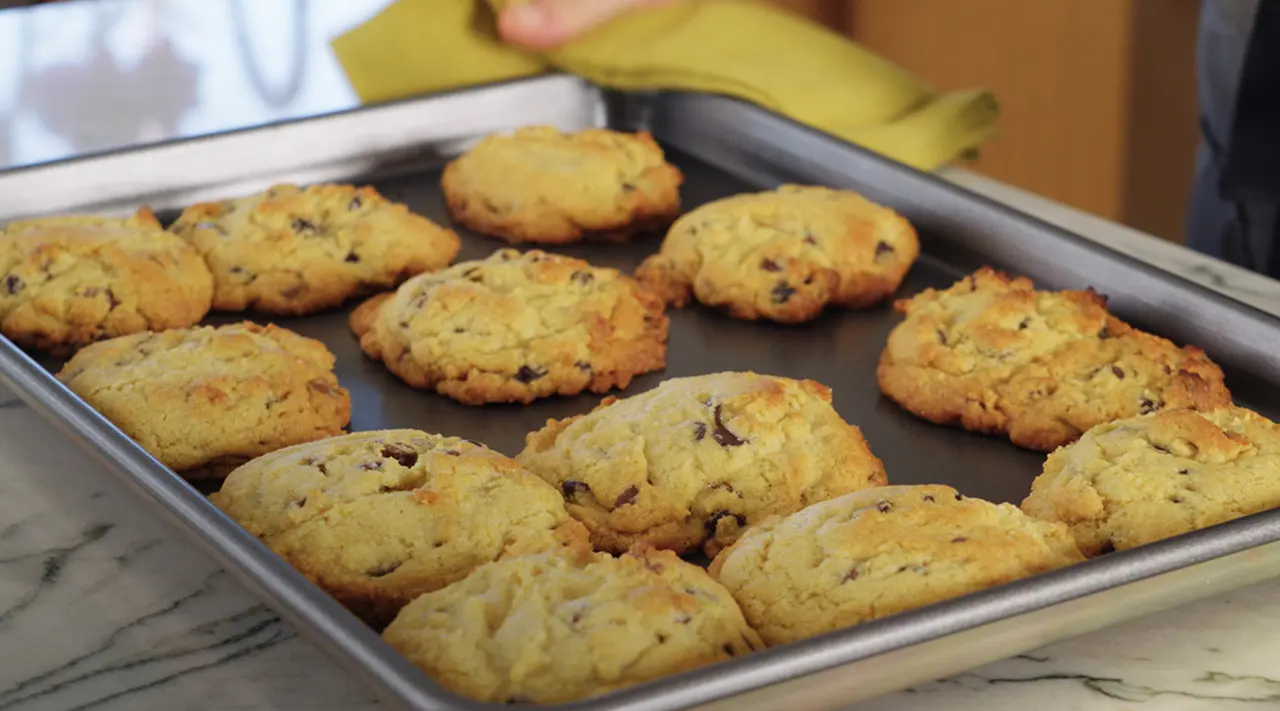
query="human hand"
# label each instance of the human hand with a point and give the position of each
(543, 24)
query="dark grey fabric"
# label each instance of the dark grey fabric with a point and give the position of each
(1241, 231)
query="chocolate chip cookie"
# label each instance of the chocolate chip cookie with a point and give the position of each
(378, 518)
(295, 251)
(1142, 479)
(66, 282)
(697, 460)
(879, 552)
(541, 185)
(516, 327)
(994, 355)
(205, 400)
(554, 628)
(784, 255)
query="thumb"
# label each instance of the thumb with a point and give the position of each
(543, 24)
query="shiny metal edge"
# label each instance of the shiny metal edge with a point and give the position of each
(397, 136)
(821, 673)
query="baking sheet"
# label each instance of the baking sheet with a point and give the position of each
(840, 350)
(724, 147)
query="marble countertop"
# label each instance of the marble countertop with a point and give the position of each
(103, 606)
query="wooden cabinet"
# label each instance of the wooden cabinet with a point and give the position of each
(1097, 96)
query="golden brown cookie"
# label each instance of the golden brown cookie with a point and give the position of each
(66, 282)
(378, 518)
(205, 400)
(516, 327)
(784, 255)
(879, 552)
(553, 628)
(541, 185)
(295, 251)
(1139, 480)
(696, 460)
(994, 355)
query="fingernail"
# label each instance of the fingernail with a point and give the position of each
(528, 16)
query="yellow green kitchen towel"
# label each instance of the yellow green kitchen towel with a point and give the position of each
(748, 49)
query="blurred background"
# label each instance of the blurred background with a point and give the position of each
(1098, 96)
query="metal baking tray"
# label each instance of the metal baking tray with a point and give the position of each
(724, 146)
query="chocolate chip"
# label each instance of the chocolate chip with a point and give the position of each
(1147, 405)
(884, 506)
(721, 434)
(451, 452)
(1107, 547)
(782, 293)
(582, 278)
(1175, 499)
(570, 488)
(582, 365)
(292, 292)
(942, 336)
(1184, 472)
(627, 497)
(1104, 333)
(527, 375)
(928, 497)
(714, 520)
(959, 539)
(959, 497)
(852, 574)
(402, 454)
(1117, 371)
(1022, 325)
(418, 302)
(300, 502)
(699, 431)
(808, 280)
(383, 570)
(13, 283)
(301, 225)
(770, 266)
(372, 467)
(355, 203)
(1161, 448)
(352, 258)
(728, 649)
(628, 187)
(474, 274)
(810, 239)
(459, 329)
(883, 249)
(323, 469)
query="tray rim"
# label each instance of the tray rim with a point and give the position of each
(362, 651)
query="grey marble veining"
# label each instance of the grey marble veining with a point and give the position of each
(103, 606)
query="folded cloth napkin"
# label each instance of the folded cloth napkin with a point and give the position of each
(748, 49)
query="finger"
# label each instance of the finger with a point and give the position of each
(547, 23)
